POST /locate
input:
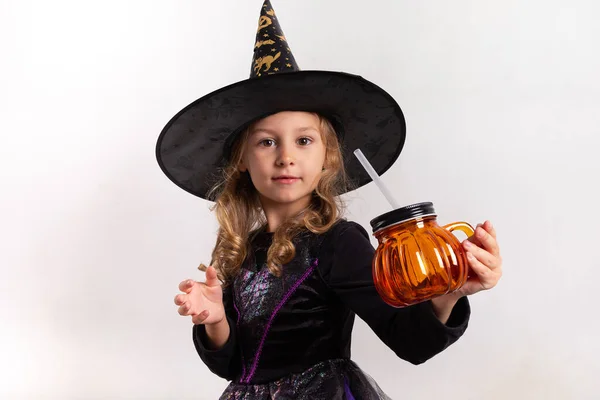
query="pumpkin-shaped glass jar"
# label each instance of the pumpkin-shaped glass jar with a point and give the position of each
(417, 259)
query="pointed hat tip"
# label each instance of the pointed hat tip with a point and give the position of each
(272, 54)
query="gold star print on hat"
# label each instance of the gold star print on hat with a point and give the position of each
(272, 54)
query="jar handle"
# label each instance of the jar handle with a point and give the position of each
(461, 226)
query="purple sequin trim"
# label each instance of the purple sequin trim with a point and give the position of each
(347, 391)
(275, 311)
(237, 323)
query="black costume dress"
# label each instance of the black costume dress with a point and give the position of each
(290, 336)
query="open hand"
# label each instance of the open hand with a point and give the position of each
(202, 300)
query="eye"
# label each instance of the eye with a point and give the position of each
(305, 141)
(266, 142)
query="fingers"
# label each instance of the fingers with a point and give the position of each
(180, 299)
(490, 228)
(473, 238)
(200, 318)
(184, 309)
(184, 306)
(487, 277)
(186, 286)
(486, 240)
(484, 256)
(484, 259)
(211, 277)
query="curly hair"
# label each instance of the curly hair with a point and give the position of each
(240, 216)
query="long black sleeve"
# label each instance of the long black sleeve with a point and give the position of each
(226, 361)
(414, 333)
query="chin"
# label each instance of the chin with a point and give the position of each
(287, 198)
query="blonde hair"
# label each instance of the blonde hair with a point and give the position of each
(239, 213)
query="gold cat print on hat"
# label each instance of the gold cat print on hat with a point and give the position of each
(265, 61)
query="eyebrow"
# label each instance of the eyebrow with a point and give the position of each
(272, 132)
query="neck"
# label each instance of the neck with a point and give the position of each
(277, 213)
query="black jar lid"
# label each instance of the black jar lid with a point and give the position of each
(402, 214)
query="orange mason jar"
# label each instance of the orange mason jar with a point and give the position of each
(417, 259)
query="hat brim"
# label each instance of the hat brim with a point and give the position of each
(192, 146)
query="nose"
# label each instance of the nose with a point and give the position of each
(285, 156)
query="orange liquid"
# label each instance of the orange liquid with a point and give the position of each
(416, 261)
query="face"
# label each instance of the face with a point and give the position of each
(285, 155)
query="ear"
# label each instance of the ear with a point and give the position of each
(242, 167)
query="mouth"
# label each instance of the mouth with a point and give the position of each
(286, 179)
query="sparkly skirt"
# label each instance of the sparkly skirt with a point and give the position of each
(328, 380)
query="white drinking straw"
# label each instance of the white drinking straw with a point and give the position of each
(367, 166)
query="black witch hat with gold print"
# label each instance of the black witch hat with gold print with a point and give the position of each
(195, 144)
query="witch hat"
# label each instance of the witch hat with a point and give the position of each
(195, 144)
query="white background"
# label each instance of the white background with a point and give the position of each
(502, 104)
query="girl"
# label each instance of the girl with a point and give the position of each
(288, 273)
